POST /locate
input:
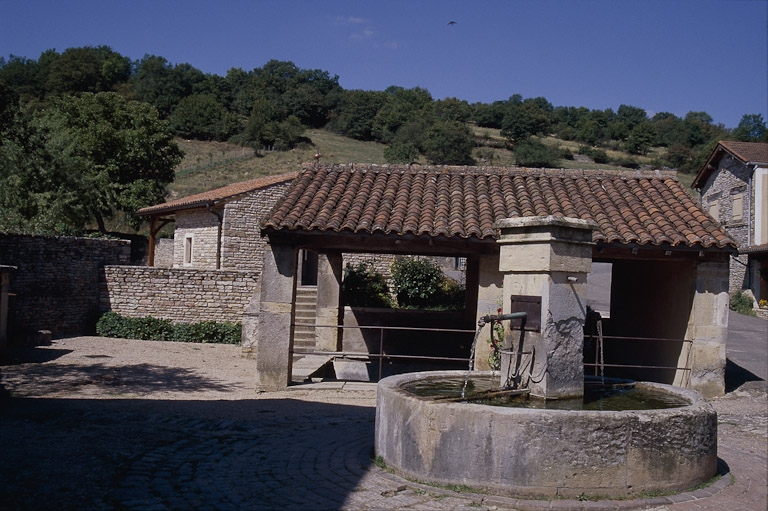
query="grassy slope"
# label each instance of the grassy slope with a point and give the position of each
(209, 165)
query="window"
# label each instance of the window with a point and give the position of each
(714, 209)
(188, 250)
(738, 208)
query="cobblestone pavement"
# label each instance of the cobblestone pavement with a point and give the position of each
(306, 448)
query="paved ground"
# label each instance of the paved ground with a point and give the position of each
(89, 423)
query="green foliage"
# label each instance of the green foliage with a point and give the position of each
(416, 281)
(532, 153)
(641, 138)
(751, 128)
(742, 303)
(449, 143)
(401, 153)
(420, 283)
(202, 117)
(208, 332)
(597, 155)
(363, 287)
(149, 328)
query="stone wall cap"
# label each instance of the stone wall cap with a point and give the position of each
(545, 221)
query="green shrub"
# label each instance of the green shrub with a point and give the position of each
(208, 332)
(416, 281)
(742, 303)
(149, 328)
(452, 294)
(532, 153)
(363, 287)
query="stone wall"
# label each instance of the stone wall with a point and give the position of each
(181, 295)
(56, 284)
(721, 197)
(242, 244)
(197, 231)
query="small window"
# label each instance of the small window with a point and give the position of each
(714, 210)
(188, 250)
(738, 208)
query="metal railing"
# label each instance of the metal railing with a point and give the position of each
(382, 355)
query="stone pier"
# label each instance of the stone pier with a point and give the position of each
(545, 262)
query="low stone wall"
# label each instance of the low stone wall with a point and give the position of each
(55, 286)
(181, 295)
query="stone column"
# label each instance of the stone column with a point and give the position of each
(274, 338)
(547, 258)
(329, 275)
(708, 329)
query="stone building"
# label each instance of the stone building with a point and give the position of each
(217, 229)
(733, 189)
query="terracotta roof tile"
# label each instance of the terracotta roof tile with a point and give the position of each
(219, 194)
(647, 208)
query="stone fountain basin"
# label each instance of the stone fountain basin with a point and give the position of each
(544, 453)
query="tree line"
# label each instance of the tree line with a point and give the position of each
(91, 120)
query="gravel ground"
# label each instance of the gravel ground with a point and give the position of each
(89, 423)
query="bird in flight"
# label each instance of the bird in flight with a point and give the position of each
(451, 22)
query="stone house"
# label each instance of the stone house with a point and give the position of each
(669, 262)
(733, 189)
(217, 229)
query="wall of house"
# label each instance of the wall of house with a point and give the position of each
(199, 227)
(242, 244)
(181, 295)
(56, 283)
(730, 198)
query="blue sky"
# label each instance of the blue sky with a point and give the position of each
(661, 55)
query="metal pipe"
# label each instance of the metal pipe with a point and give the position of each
(501, 317)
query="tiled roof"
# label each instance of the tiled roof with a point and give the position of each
(746, 152)
(464, 202)
(219, 194)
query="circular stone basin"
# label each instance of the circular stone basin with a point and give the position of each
(544, 452)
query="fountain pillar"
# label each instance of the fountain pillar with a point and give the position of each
(545, 262)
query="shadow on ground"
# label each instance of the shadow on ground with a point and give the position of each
(41, 379)
(736, 376)
(156, 454)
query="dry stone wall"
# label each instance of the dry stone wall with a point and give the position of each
(181, 295)
(56, 283)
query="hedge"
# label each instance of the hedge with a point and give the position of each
(149, 328)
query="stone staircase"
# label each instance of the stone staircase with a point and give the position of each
(306, 306)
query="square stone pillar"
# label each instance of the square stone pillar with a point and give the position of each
(708, 329)
(274, 337)
(329, 276)
(547, 258)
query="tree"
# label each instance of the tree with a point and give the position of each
(641, 138)
(163, 85)
(751, 128)
(355, 113)
(449, 143)
(118, 154)
(201, 117)
(87, 69)
(532, 153)
(403, 105)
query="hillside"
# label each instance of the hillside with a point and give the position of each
(209, 165)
